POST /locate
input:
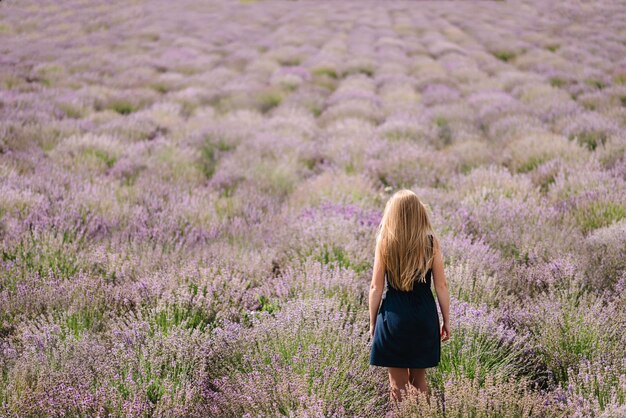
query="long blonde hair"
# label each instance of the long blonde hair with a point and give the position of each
(403, 235)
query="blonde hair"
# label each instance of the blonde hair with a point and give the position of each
(406, 250)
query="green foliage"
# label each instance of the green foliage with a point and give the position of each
(209, 153)
(269, 100)
(309, 163)
(271, 306)
(72, 111)
(100, 270)
(383, 179)
(444, 130)
(40, 256)
(504, 55)
(290, 61)
(316, 110)
(553, 47)
(557, 82)
(576, 331)
(267, 305)
(475, 288)
(546, 183)
(590, 139)
(227, 205)
(368, 71)
(336, 256)
(187, 109)
(474, 353)
(275, 179)
(599, 84)
(155, 391)
(466, 168)
(596, 215)
(159, 373)
(88, 319)
(49, 74)
(574, 341)
(101, 155)
(512, 251)
(326, 71)
(208, 162)
(185, 315)
(530, 164)
(123, 107)
(160, 87)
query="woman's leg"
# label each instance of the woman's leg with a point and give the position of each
(417, 378)
(399, 381)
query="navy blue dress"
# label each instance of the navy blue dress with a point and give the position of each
(407, 330)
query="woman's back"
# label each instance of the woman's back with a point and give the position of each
(407, 327)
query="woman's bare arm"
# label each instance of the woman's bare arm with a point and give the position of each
(441, 284)
(376, 287)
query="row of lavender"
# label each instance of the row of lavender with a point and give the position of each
(189, 197)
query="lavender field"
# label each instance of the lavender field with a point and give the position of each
(189, 193)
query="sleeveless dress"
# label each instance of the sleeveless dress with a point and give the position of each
(407, 330)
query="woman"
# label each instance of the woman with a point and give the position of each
(405, 332)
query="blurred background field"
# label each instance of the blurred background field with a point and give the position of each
(189, 193)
